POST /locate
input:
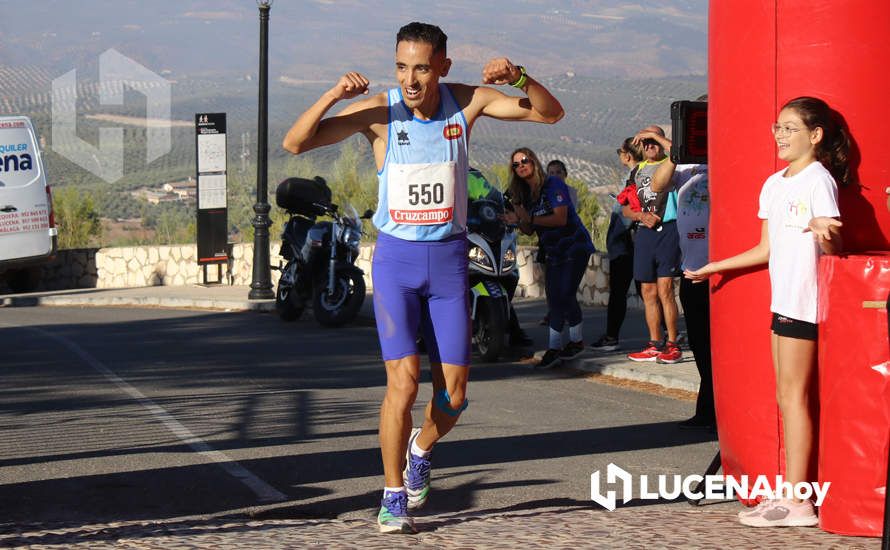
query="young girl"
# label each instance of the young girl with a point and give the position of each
(798, 206)
(541, 204)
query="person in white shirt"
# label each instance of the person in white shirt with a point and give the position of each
(799, 209)
(690, 181)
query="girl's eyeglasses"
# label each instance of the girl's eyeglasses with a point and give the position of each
(784, 131)
(523, 160)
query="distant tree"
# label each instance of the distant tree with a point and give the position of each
(173, 227)
(241, 198)
(591, 213)
(354, 185)
(77, 218)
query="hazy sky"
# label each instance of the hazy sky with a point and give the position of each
(318, 39)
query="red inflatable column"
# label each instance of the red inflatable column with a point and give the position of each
(742, 105)
(763, 54)
(837, 51)
(854, 388)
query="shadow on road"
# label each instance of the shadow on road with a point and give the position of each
(241, 382)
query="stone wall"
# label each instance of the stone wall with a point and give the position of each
(138, 266)
(71, 268)
(135, 266)
(594, 289)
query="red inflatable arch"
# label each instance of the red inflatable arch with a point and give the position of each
(761, 55)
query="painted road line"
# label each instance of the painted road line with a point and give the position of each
(263, 491)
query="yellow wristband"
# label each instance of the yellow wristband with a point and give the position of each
(523, 78)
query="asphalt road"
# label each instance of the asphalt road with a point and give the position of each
(141, 414)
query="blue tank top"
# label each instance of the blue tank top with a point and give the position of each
(422, 191)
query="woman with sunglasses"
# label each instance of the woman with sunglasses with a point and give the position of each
(541, 205)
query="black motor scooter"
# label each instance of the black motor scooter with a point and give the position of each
(319, 257)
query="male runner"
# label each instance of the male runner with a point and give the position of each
(419, 134)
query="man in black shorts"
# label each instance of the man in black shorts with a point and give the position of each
(656, 251)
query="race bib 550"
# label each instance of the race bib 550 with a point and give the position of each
(421, 194)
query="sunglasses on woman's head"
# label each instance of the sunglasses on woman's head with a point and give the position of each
(523, 160)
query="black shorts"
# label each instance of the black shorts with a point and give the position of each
(657, 252)
(793, 328)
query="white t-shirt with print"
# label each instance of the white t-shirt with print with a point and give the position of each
(693, 209)
(788, 204)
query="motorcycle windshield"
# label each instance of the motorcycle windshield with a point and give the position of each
(485, 208)
(351, 214)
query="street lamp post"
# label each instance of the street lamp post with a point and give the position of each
(261, 282)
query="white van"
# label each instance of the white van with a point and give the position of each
(27, 228)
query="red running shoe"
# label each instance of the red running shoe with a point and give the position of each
(651, 353)
(670, 354)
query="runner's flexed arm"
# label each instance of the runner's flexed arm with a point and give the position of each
(310, 131)
(538, 106)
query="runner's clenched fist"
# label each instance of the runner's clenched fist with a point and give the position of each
(500, 71)
(350, 85)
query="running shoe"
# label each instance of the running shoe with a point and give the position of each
(650, 353)
(670, 354)
(393, 516)
(761, 507)
(550, 359)
(783, 513)
(572, 349)
(605, 343)
(416, 475)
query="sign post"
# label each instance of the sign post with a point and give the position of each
(212, 222)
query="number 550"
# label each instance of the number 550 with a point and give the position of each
(426, 193)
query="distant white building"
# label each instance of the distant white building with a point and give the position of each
(174, 191)
(152, 196)
(185, 190)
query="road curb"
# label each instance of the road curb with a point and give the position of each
(626, 372)
(618, 366)
(142, 301)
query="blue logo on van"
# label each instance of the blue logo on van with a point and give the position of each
(14, 163)
(11, 148)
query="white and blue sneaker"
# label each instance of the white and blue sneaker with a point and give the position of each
(416, 475)
(393, 516)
